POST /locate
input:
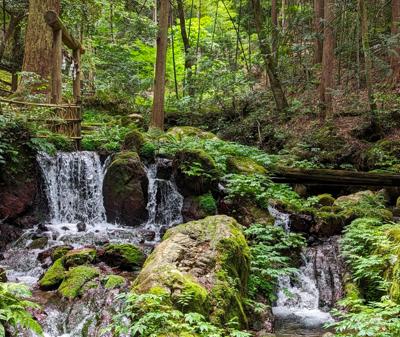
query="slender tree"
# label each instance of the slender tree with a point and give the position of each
(328, 61)
(274, 20)
(318, 29)
(157, 119)
(269, 62)
(395, 58)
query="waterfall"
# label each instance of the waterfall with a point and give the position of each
(165, 202)
(305, 299)
(74, 184)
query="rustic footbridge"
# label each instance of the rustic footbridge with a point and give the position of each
(68, 116)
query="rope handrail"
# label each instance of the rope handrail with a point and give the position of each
(44, 105)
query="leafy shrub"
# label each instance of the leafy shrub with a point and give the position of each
(107, 138)
(207, 203)
(272, 250)
(151, 315)
(14, 308)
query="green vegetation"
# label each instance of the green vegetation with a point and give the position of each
(75, 279)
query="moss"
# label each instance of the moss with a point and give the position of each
(133, 140)
(59, 252)
(244, 165)
(326, 199)
(207, 204)
(53, 277)
(148, 150)
(75, 279)
(114, 281)
(181, 132)
(124, 255)
(39, 243)
(79, 257)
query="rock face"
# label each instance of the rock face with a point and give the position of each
(125, 190)
(207, 260)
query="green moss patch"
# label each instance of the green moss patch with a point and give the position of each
(79, 257)
(114, 281)
(125, 256)
(75, 279)
(244, 165)
(53, 277)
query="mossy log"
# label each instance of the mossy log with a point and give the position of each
(333, 177)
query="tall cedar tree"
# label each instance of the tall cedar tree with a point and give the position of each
(318, 28)
(157, 118)
(395, 59)
(269, 62)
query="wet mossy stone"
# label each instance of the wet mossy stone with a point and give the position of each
(60, 251)
(125, 190)
(133, 141)
(53, 276)
(325, 199)
(197, 172)
(206, 262)
(114, 281)
(181, 132)
(75, 279)
(244, 165)
(123, 255)
(39, 243)
(79, 257)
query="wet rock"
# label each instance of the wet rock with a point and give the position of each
(300, 222)
(192, 210)
(124, 256)
(79, 257)
(42, 227)
(75, 279)
(208, 258)
(164, 169)
(53, 276)
(81, 227)
(60, 251)
(125, 190)
(147, 235)
(3, 275)
(39, 243)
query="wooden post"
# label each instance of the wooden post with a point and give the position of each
(56, 80)
(77, 76)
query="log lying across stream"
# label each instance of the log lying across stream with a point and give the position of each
(334, 177)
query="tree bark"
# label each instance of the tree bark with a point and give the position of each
(157, 119)
(318, 29)
(276, 87)
(328, 62)
(395, 59)
(274, 20)
(38, 38)
(367, 53)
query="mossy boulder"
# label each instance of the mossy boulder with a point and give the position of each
(79, 257)
(53, 277)
(60, 251)
(125, 190)
(123, 255)
(328, 224)
(205, 261)
(196, 172)
(244, 165)
(133, 141)
(353, 199)
(75, 279)
(39, 243)
(114, 281)
(325, 199)
(181, 132)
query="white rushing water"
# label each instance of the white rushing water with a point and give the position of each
(73, 184)
(298, 297)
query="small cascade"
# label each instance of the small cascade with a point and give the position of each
(164, 200)
(74, 187)
(305, 299)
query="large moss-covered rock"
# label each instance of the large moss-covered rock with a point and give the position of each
(53, 277)
(181, 132)
(244, 165)
(196, 172)
(75, 279)
(123, 255)
(133, 141)
(353, 199)
(125, 190)
(78, 257)
(206, 261)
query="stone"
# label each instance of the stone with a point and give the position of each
(77, 257)
(326, 199)
(81, 227)
(207, 260)
(53, 276)
(133, 141)
(125, 190)
(354, 198)
(39, 243)
(75, 279)
(244, 165)
(60, 251)
(123, 255)
(181, 132)
(114, 281)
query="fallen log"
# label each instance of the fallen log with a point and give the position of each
(333, 177)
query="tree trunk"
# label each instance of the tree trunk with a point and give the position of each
(274, 20)
(328, 62)
(367, 53)
(157, 119)
(276, 87)
(39, 38)
(318, 29)
(395, 59)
